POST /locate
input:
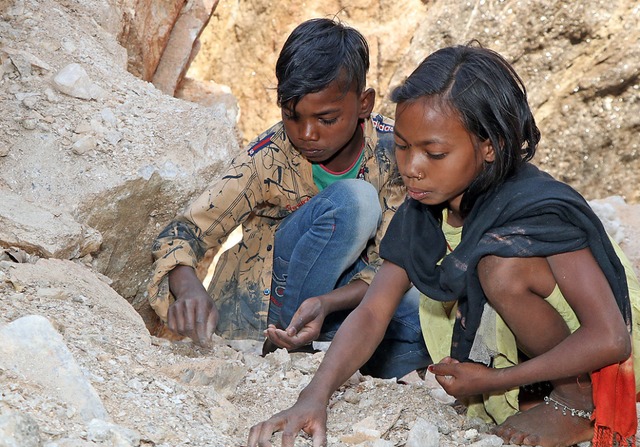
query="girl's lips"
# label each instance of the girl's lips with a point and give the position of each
(417, 194)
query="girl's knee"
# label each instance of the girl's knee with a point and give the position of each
(506, 278)
(493, 273)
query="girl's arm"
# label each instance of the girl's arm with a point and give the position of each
(602, 338)
(355, 341)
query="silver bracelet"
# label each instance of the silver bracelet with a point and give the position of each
(567, 409)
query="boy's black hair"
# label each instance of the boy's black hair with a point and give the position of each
(491, 101)
(318, 52)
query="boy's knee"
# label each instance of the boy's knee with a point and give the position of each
(365, 199)
(361, 189)
(356, 198)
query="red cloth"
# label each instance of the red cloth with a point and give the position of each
(614, 399)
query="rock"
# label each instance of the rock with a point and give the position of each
(43, 232)
(127, 130)
(105, 432)
(31, 347)
(575, 63)
(18, 430)
(74, 81)
(423, 434)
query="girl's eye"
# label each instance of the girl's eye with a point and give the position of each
(328, 122)
(438, 156)
(399, 146)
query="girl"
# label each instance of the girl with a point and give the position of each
(521, 285)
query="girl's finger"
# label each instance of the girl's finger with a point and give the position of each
(443, 373)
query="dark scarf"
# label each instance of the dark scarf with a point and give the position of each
(530, 215)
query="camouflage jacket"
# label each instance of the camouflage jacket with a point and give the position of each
(263, 185)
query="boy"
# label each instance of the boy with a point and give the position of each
(314, 195)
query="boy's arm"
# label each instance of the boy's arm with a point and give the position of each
(307, 322)
(193, 314)
(204, 225)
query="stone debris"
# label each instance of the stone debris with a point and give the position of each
(74, 81)
(96, 160)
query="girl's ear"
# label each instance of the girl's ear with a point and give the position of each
(367, 101)
(488, 153)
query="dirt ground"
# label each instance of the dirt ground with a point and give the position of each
(155, 392)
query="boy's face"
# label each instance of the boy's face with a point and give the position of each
(324, 125)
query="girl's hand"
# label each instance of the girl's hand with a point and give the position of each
(307, 414)
(463, 379)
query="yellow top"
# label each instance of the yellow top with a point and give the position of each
(437, 319)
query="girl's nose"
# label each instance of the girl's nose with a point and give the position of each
(412, 168)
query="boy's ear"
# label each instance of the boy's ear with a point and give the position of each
(367, 101)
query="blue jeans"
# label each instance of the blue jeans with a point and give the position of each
(323, 242)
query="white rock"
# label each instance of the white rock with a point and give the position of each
(84, 145)
(423, 434)
(74, 81)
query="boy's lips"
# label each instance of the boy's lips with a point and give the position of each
(309, 152)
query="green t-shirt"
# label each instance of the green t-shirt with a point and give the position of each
(323, 177)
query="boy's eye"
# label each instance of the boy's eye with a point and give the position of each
(328, 122)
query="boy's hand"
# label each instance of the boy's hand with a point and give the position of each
(194, 313)
(309, 415)
(463, 379)
(194, 316)
(304, 328)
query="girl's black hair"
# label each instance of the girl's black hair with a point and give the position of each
(491, 101)
(318, 52)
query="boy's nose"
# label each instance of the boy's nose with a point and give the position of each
(308, 132)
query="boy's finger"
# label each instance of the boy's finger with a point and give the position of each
(275, 335)
(171, 319)
(175, 319)
(212, 322)
(296, 325)
(285, 341)
(200, 329)
(200, 317)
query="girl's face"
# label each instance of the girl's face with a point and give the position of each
(437, 157)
